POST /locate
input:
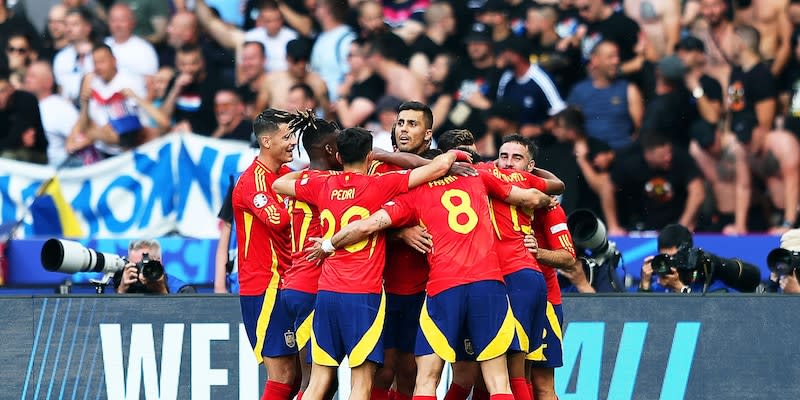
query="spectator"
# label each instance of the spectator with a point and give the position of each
(552, 53)
(11, 22)
(723, 162)
(20, 54)
(110, 119)
(275, 92)
(57, 114)
(716, 31)
(55, 36)
(231, 121)
(671, 109)
(269, 31)
(706, 91)
(400, 81)
(152, 17)
(501, 121)
(527, 87)
(158, 84)
(190, 98)
(660, 22)
(580, 160)
(440, 25)
(75, 60)
(771, 19)
(494, 14)
(360, 91)
(433, 85)
(604, 24)
(382, 130)
(371, 25)
(133, 53)
(398, 12)
(658, 184)
(469, 88)
(250, 75)
(226, 271)
(183, 31)
(329, 54)
(302, 98)
(132, 280)
(612, 105)
(22, 137)
(788, 283)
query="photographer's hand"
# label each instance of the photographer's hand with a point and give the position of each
(672, 281)
(158, 286)
(647, 275)
(129, 276)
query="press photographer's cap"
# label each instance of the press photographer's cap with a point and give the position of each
(791, 240)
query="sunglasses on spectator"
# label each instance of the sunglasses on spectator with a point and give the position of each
(20, 50)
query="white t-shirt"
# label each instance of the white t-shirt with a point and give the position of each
(329, 57)
(58, 118)
(108, 106)
(135, 55)
(69, 71)
(381, 139)
(274, 46)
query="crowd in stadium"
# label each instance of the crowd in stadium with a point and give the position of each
(652, 112)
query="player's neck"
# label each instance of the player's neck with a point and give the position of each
(269, 162)
(360, 167)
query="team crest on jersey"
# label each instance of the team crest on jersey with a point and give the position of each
(468, 347)
(289, 338)
(260, 200)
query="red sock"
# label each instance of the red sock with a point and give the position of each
(423, 398)
(277, 391)
(480, 394)
(519, 386)
(530, 389)
(379, 394)
(456, 392)
(400, 396)
(299, 395)
(502, 397)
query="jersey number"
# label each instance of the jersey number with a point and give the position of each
(355, 211)
(526, 229)
(464, 207)
(298, 242)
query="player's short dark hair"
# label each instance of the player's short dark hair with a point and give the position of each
(651, 140)
(476, 158)
(354, 144)
(431, 153)
(307, 91)
(533, 150)
(427, 114)
(270, 120)
(258, 44)
(453, 138)
(572, 118)
(674, 235)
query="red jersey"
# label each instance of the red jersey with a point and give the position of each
(303, 275)
(455, 210)
(511, 223)
(551, 232)
(343, 198)
(406, 269)
(262, 230)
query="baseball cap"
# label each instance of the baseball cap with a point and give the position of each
(672, 68)
(299, 49)
(494, 6)
(691, 43)
(516, 44)
(478, 33)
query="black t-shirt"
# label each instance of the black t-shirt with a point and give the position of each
(745, 90)
(21, 114)
(428, 47)
(671, 114)
(371, 89)
(652, 198)
(399, 50)
(617, 28)
(196, 105)
(247, 94)
(563, 67)
(240, 132)
(464, 79)
(226, 210)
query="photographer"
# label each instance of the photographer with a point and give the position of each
(144, 261)
(783, 263)
(682, 268)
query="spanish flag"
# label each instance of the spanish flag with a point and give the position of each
(52, 215)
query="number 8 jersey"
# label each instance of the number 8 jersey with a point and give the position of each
(343, 198)
(455, 211)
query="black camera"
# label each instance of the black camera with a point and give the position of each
(696, 266)
(600, 257)
(782, 261)
(151, 270)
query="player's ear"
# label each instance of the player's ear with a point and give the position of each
(531, 164)
(339, 158)
(428, 135)
(369, 157)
